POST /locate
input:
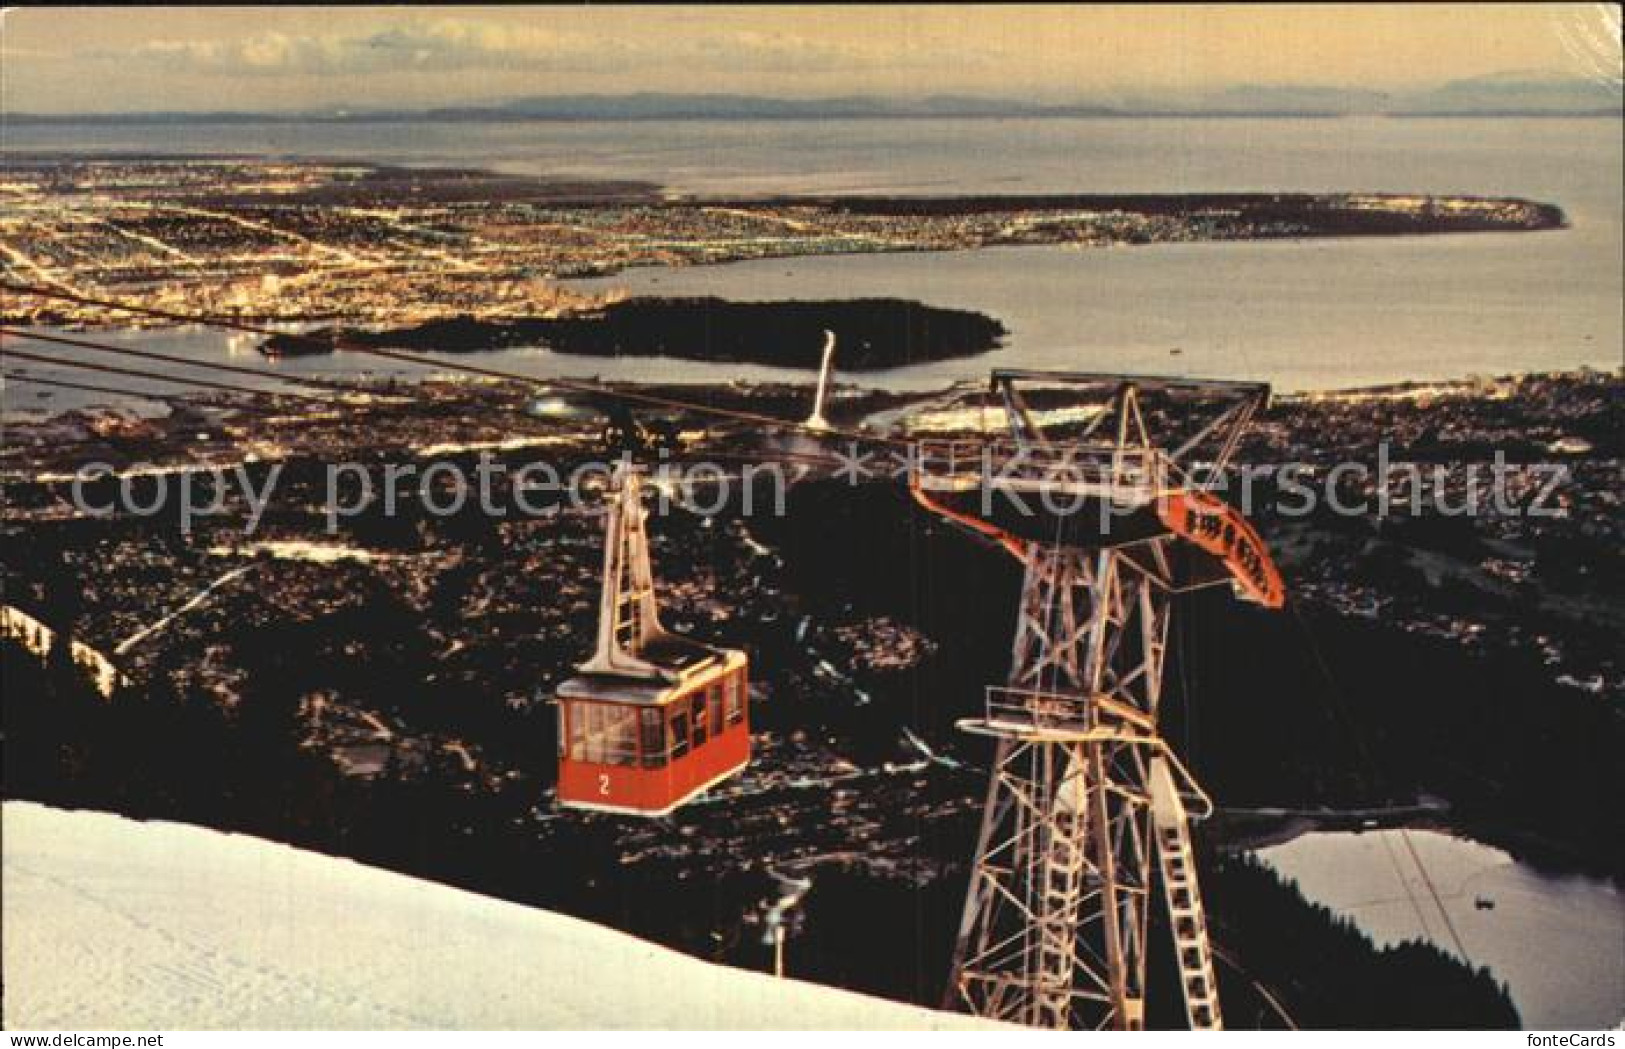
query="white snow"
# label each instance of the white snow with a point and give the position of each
(113, 923)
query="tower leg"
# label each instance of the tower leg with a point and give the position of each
(1055, 920)
(1186, 915)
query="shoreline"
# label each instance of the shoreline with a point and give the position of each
(380, 246)
(1465, 386)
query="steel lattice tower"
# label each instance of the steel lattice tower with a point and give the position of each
(1084, 796)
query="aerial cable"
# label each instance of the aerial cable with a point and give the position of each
(168, 358)
(810, 459)
(575, 385)
(108, 369)
(1334, 702)
(120, 391)
(1264, 992)
(1427, 880)
(1405, 887)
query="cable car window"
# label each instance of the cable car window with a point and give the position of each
(621, 736)
(577, 718)
(699, 720)
(736, 698)
(592, 733)
(652, 739)
(580, 729)
(607, 734)
(713, 702)
(679, 734)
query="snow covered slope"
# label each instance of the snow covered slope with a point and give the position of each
(112, 923)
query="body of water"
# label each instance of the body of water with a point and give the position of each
(1309, 314)
(1556, 940)
(1536, 157)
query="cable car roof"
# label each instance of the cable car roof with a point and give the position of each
(684, 658)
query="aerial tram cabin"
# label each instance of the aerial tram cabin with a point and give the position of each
(653, 718)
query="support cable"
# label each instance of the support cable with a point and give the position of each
(169, 358)
(109, 369)
(575, 385)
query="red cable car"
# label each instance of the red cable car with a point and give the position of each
(653, 718)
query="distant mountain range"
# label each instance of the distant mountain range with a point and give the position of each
(1507, 94)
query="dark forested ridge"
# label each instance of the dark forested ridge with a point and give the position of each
(155, 753)
(392, 706)
(1328, 970)
(1300, 707)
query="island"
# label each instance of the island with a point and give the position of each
(873, 334)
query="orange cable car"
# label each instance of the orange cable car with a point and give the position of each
(653, 718)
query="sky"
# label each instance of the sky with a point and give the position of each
(64, 60)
